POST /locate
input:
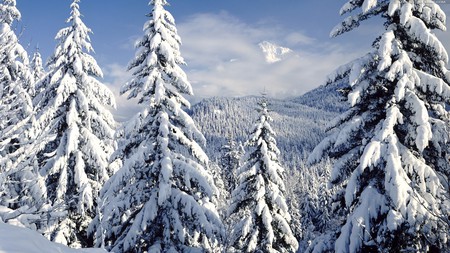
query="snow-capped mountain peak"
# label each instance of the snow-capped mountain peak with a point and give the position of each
(272, 52)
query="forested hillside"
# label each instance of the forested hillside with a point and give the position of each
(360, 164)
(300, 123)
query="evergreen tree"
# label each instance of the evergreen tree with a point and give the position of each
(388, 143)
(37, 70)
(230, 161)
(258, 200)
(160, 200)
(15, 103)
(73, 134)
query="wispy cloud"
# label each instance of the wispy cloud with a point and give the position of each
(129, 43)
(116, 76)
(224, 58)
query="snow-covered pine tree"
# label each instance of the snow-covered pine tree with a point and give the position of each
(318, 215)
(230, 161)
(15, 102)
(258, 200)
(73, 133)
(160, 200)
(37, 70)
(388, 143)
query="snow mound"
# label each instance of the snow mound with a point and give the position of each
(16, 239)
(272, 52)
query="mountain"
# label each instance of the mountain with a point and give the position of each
(326, 98)
(272, 52)
(300, 123)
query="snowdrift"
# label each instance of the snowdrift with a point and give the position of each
(21, 240)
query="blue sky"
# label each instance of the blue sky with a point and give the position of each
(115, 20)
(220, 40)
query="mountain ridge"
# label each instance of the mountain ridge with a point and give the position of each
(300, 123)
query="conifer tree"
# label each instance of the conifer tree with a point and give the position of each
(258, 200)
(388, 143)
(37, 70)
(160, 200)
(15, 103)
(230, 161)
(73, 134)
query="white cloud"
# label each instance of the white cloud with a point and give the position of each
(297, 38)
(130, 42)
(116, 76)
(224, 58)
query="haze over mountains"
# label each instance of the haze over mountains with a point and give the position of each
(272, 54)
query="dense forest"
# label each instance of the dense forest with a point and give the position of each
(360, 164)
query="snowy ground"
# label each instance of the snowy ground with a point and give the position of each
(21, 240)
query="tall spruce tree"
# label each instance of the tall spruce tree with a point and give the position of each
(230, 161)
(258, 201)
(160, 200)
(388, 144)
(37, 70)
(15, 103)
(73, 134)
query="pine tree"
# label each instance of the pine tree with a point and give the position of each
(73, 134)
(37, 70)
(15, 103)
(160, 200)
(258, 200)
(388, 143)
(230, 161)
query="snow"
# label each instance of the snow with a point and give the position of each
(320, 150)
(22, 240)
(420, 118)
(394, 5)
(421, 32)
(400, 88)
(399, 94)
(394, 219)
(355, 230)
(356, 72)
(76, 157)
(385, 50)
(371, 155)
(368, 4)
(164, 175)
(393, 117)
(259, 195)
(347, 7)
(406, 13)
(37, 69)
(272, 52)
(164, 169)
